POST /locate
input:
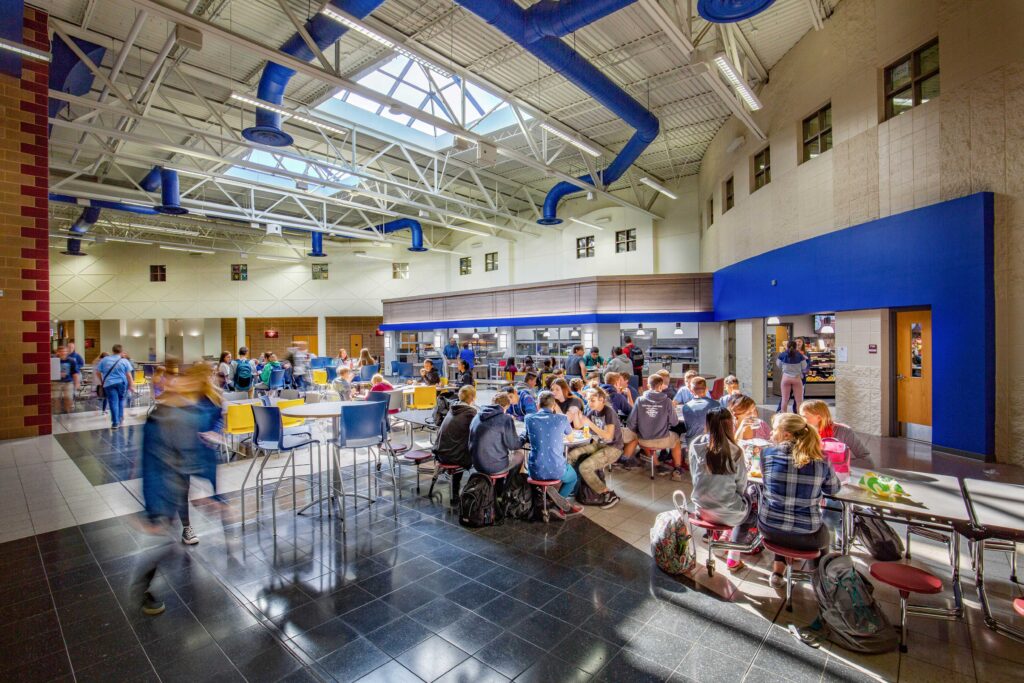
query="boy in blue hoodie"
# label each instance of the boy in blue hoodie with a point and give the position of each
(493, 438)
(527, 404)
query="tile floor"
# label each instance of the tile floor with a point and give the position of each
(415, 596)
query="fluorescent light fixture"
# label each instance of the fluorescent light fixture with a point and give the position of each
(281, 259)
(256, 102)
(773, 320)
(190, 250)
(363, 254)
(480, 222)
(163, 230)
(586, 224)
(650, 182)
(386, 42)
(574, 141)
(447, 251)
(128, 240)
(733, 76)
(679, 329)
(24, 50)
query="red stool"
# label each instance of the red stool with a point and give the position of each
(542, 485)
(712, 532)
(907, 580)
(417, 458)
(792, 554)
(1018, 605)
(449, 470)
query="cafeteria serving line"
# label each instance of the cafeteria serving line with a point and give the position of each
(551, 340)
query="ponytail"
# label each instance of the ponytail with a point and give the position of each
(806, 444)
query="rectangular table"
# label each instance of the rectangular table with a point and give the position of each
(934, 502)
(995, 508)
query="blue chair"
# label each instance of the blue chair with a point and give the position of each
(367, 372)
(270, 436)
(319, 363)
(332, 373)
(394, 368)
(404, 371)
(365, 426)
(276, 380)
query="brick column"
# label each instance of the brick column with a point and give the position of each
(24, 255)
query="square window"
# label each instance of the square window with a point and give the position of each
(319, 271)
(490, 261)
(817, 133)
(399, 271)
(912, 80)
(585, 247)
(710, 212)
(466, 265)
(158, 273)
(762, 168)
(239, 272)
(625, 240)
(730, 194)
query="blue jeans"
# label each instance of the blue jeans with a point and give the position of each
(568, 481)
(115, 395)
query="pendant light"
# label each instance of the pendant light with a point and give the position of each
(774, 320)
(476, 335)
(827, 329)
(575, 332)
(546, 334)
(640, 330)
(678, 330)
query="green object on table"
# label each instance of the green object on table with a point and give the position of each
(881, 485)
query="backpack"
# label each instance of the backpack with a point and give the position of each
(851, 617)
(476, 503)
(636, 355)
(444, 403)
(517, 498)
(243, 374)
(882, 542)
(838, 455)
(672, 542)
(586, 495)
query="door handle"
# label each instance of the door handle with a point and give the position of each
(900, 377)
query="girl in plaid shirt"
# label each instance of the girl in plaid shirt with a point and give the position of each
(796, 475)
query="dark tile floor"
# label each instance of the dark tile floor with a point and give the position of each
(407, 599)
(105, 456)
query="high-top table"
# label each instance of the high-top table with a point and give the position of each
(998, 520)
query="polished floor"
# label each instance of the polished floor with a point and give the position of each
(412, 596)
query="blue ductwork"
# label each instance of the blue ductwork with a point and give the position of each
(170, 198)
(82, 225)
(520, 25)
(410, 224)
(325, 32)
(68, 74)
(730, 11)
(151, 181)
(103, 204)
(317, 247)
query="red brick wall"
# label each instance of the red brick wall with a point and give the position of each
(24, 253)
(339, 331)
(229, 334)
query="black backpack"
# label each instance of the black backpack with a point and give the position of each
(444, 403)
(517, 499)
(882, 542)
(476, 503)
(586, 495)
(636, 355)
(848, 612)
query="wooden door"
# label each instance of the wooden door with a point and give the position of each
(311, 342)
(355, 345)
(914, 367)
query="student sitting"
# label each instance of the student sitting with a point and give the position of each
(527, 404)
(465, 375)
(719, 474)
(620, 364)
(665, 375)
(452, 446)
(748, 424)
(546, 429)
(732, 388)
(576, 386)
(343, 384)
(510, 368)
(684, 395)
(564, 398)
(696, 409)
(429, 373)
(574, 364)
(378, 383)
(493, 440)
(620, 401)
(593, 360)
(796, 477)
(605, 427)
(651, 420)
(819, 417)
(268, 367)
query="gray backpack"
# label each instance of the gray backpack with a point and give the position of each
(849, 613)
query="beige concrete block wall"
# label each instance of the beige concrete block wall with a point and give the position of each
(862, 395)
(969, 139)
(750, 357)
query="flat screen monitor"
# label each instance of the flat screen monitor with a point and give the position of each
(822, 319)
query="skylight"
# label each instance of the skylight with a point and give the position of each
(421, 88)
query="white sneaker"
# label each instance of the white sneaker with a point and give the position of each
(188, 536)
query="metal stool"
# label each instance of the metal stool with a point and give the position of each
(449, 470)
(792, 554)
(907, 579)
(650, 454)
(417, 458)
(713, 543)
(543, 485)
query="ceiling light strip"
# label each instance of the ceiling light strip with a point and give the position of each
(586, 224)
(24, 50)
(733, 76)
(650, 182)
(386, 42)
(190, 250)
(256, 102)
(574, 141)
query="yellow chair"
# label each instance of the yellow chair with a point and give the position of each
(239, 421)
(444, 381)
(423, 398)
(289, 422)
(320, 378)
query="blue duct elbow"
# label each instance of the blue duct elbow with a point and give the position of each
(84, 222)
(410, 224)
(170, 198)
(151, 181)
(325, 32)
(317, 247)
(552, 19)
(103, 204)
(515, 22)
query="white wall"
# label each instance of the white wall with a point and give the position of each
(862, 394)
(750, 357)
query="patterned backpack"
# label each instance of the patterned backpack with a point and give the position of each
(672, 542)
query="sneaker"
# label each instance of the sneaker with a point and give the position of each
(610, 500)
(677, 474)
(777, 580)
(151, 606)
(630, 464)
(556, 513)
(734, 565)
(574, 509)
(188, 536)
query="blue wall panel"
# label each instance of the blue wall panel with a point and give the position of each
(938, 256)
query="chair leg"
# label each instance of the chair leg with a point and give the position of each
(789, 585)
(433, 480)
(245, 479)
(908, 542)
(903, 621)
(273, 495)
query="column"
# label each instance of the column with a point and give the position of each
(750, 358)
(79, 335)
(25, 303)
(159, 339)
(240, 332)
(321, 337)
